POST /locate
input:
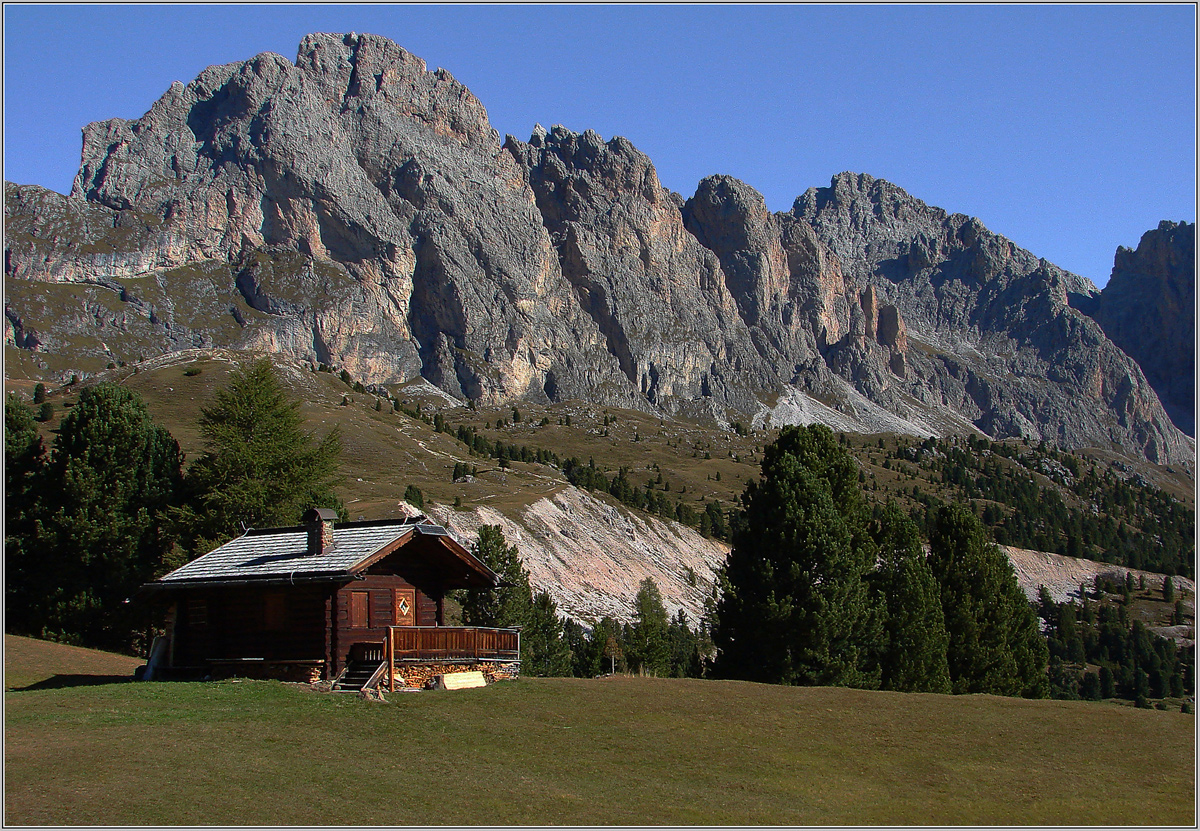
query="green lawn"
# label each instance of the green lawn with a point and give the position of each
(567, 751)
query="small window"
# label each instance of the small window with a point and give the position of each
(198, 611)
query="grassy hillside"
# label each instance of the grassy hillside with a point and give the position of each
(570, 751)
(390, 443)
(42, 664)
(385, 451)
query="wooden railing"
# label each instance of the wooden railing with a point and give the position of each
(455, 643)
(429, 643)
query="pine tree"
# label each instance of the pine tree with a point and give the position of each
(545, 652)
(24, 457)
(102, 532)
(584, 661)
(24, 463)
(995, 644)
(648, 649)
(606, 642)
(509, 605)
(259, 468)
(795, 606)
(414, 497)
(1108, 686)
(686, 661)
(914, 652)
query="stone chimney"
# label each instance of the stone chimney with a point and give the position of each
(319, 524)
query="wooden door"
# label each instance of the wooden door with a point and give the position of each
(406, 607)
(359, 610)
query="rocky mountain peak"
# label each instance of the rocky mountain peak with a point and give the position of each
(562, 157)
(363, 71)
(852, 197)
(265, 132)
(731, 219)
(1148, 309)
(1163, 252)
(650, 288)
(355, 209)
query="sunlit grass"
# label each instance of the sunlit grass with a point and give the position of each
(574, 751)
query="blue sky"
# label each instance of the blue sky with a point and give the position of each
(1068, 129)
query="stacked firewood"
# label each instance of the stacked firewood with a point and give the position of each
(421, 676)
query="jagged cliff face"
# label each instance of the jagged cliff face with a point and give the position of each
(655, 293)
(1148, 308)
(362, 206)
(355, 209)
(926, 313)
(987, 326)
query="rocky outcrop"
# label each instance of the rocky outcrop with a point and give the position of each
(364, 206)
(988, 326)
(657, 294)
(1062, 576)
(925, 312)
(592, 556)
(355, 209)
(1148, 309)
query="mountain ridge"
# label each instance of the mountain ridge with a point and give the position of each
(1148, 309)
(355, 209)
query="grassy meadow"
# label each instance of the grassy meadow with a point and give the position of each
(384, 452)
(626, 751)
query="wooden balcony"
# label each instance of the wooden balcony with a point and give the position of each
(454, 643)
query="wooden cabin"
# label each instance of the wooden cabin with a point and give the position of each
(313, 601)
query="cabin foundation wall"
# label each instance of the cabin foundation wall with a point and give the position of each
(304, 672)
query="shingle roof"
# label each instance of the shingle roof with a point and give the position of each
(282, 552)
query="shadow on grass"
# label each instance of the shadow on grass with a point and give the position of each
(58, 682)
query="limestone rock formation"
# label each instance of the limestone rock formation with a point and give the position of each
(592, 556)
(1148, 308)
(355, 209)
(926, 314)
(360, 203)
(656, 294)
(989, 327)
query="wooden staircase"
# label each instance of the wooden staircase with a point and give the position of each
(359, 675)
(364, 669)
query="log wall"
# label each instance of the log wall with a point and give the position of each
(310, 621)
(379, 589)
(271, 623)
